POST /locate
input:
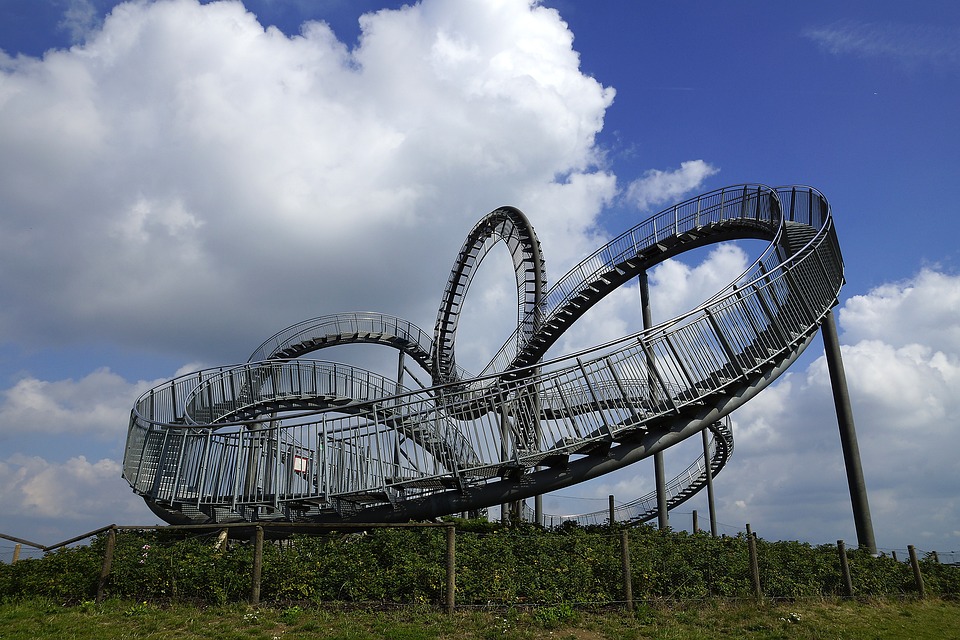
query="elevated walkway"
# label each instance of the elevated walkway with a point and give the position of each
(285, 437)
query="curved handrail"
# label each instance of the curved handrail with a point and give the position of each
(340, 328)
(544, 425)
(678, 489)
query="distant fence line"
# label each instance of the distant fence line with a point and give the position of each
(253, 538)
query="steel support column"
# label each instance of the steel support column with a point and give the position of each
(663, 517)
(848, 436)
(708, 469)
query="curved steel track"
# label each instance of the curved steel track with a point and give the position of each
(282, 437)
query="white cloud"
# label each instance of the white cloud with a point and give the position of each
(676, 287)
(922, 309)
(904, 399)
(76, 489)
(97, 405)
(658, 187)
(907, 43)
(189, 180)
(79, 19)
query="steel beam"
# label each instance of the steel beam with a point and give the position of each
(848, 436)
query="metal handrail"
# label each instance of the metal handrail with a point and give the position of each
(646, 507)
(411, 336)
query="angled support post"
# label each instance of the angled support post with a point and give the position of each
(107, 562)
(848, 437)
(708, 467)
(663, 517)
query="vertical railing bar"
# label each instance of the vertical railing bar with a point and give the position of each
(326, 457)
(652, 368)
(173, 400)
(593, 394)
(237, 470)
(275, 429)
(176, 477)
(566, 420)
(722, 339)
(202, 475)
(376, 439)
(797, 292)
(623, 390)
(680, 361)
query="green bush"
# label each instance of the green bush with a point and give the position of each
(797, 570)
(67, 575)
(503, 566)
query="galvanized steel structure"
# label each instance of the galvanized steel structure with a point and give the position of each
(282, 437)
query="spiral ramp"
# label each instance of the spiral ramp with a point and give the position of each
(283, 437)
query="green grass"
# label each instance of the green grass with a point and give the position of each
(119, 619)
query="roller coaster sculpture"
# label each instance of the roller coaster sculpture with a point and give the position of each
(285, 438)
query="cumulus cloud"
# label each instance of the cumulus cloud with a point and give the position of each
(71, 490)
(190, 180)
(921, 309)
(903, 385)
(97, 405)
(658, 187)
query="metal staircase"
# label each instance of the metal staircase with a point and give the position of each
(645, 508)
(284, 437)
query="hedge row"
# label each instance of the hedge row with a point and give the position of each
(494, 565)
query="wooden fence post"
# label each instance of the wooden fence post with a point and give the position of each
(451, 568)
(845, 570)
(754, 564)
(625, 564)
(696, 522)
(257, 566)
(917, 576)
(107, 563)
(612, 508)
(16, 553)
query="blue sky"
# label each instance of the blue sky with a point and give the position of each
(181, 180)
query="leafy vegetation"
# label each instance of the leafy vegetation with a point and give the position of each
(557, 572)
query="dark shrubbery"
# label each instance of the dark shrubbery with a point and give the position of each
(495, 565)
